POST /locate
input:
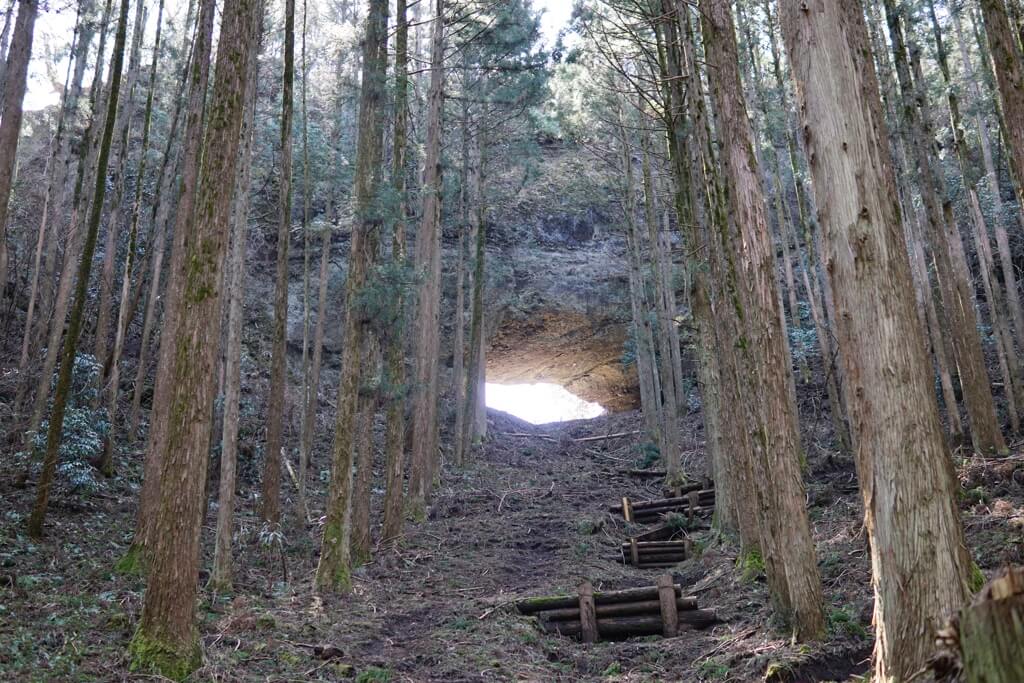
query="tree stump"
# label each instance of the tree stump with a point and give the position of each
(992, 631)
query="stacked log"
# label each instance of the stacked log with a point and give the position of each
(591, 616)
(692, 504)
(654, 554)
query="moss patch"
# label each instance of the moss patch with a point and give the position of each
(150, 655)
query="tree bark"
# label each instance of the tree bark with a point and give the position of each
(1008, 64)
(903, 464)
(395, 373)
(427, 260)
(787, 545)
(957, 291)
(270, 513)
(150, 495)
(56, 427)
(16, 78)
(167, 639)
(334, 571)
(222, 574)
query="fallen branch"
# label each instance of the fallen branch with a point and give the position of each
(605, 437)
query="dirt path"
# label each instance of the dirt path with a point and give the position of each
(526, 518)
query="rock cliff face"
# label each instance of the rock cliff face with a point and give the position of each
(559, 290)
(557, 297)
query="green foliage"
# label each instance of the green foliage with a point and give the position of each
(751, 565)
(713, 668)
(613, 669)
(84, 432)
(977, 578)
(843, 620)
(374, 675)
(649, 455)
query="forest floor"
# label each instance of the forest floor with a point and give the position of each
(527, 518)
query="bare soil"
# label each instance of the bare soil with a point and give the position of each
(527, 518)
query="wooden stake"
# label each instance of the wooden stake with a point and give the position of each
(667, 597)
(588, 613)
(634, 552)
(627, 509)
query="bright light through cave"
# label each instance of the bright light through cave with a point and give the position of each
(540, 403)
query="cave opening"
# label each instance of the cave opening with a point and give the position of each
(541, 403)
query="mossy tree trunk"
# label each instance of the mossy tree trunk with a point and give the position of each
(427, 260)
(222, 574)
(55, 429)
(992, 631)
(199, 74)
(270, 512)
(166, 641)
(15, 82)
(787, 546)
(334, 571)
(903, 463)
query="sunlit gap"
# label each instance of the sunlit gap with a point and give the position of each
(540, 403)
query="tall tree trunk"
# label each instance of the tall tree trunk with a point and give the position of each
(427, 341)
(306, 253)
(123, 126)
(54, 162)
(270, 513)
(957, 291)
(16, 78)
(222, 574)
(395, 375)
(904, 466)
(157, 247)
(334, 572)
(1008, 64)
(785, 530)
(472, 433)
(114, 380)
(166, 641)
(992, 180)
(152, 475)
(56, 427)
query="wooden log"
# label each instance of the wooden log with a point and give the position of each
(534, 605)
(660, 564)
(992, 631)
(667, 598)
(588, 614)
(620, 627)
(637, 505)
(626, 609)
(656, 544)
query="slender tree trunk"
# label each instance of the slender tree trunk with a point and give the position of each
(55, 160)
(671, 452)
(114, 380)
(472, 432)
(1008, 65)
(150, 501)
(16, 78)
(904, 466)
(334, 571)
(957, 292)
(270, 512)
(992, 180)
(222, 575)
(426, 345)
(157, 247)
(306, 255)
(56, 427)
(786, 540)
(123, 126)
(395, 378)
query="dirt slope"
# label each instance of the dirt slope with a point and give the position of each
(527, 518)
